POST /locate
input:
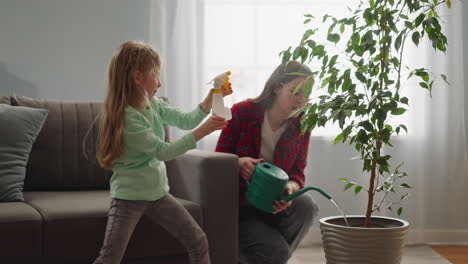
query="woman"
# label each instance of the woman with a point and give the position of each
(261, 130)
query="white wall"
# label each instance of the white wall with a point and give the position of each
(60, 49)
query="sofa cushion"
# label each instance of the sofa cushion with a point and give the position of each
(20, 230)
(20, 127)
(75, 222)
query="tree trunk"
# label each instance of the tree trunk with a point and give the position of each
(370, 200)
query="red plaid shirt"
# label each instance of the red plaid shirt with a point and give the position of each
(242, 136)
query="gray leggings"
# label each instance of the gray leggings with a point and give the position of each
(271, 239)
(167, 212)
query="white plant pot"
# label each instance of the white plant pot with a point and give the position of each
(360, 245)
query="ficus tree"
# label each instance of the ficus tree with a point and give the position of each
(362, 82)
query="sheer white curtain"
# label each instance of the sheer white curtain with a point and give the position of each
(199, 39)
(176, 31)
(436, 156)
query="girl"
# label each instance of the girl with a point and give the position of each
(260, 129)
(131, 143)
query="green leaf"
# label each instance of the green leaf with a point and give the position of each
(304, 54)
(380, 116)
(333, 61)
(347, 131)
(398, 40)
(404, 128)
(367, 165)
(318, 51)
(286, 55)
(338, 138)
(297, 52)
(344, 179)
(400, 210)
(357, 147)
(404, 100)
(404, 196)
(444, 77)
(368, 16)
(355, 39)
(367, 125)
(405, 185)
(419, 20)
(311, 43)
(357, 189)
(308, 88)
(424, 85)
(342, 28)
(362, 136)
(421, 72)
(298, 74)
(307, 34)
(307, 21)
(347, 186)
(361, 77)
(346, 85)
(398, 111)
(409, 24)
(416, 36)
(333, 37)
(325, 82)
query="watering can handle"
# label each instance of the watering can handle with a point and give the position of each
(246, 182)
(296, 194)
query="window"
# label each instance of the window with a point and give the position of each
(246, 36)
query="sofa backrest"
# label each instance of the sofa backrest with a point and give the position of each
(5, 100)
(57, 161)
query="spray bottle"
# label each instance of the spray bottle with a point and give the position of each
(221, 81)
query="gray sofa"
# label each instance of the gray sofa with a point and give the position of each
(64, 215)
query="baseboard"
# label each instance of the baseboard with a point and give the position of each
(415, 237)
(438, 236)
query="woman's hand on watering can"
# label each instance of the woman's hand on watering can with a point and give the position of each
(281, 205)
(247, 167)
(290, 187)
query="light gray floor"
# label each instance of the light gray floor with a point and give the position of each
(412, 255)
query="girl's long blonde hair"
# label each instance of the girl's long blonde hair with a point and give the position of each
(131, 56)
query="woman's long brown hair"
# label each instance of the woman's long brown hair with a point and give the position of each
(281, 76)
(131, 56)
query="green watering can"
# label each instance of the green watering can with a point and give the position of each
(267, 186)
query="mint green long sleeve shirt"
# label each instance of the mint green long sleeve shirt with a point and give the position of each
(140, 173)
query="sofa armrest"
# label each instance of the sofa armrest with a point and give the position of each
(211, 179)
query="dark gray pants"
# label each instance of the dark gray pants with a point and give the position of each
(167, 212)
(271, 239)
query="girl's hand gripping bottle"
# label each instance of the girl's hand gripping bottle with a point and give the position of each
(222, 87)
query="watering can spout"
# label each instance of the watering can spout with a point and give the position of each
(296, 194)
(267, 186)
